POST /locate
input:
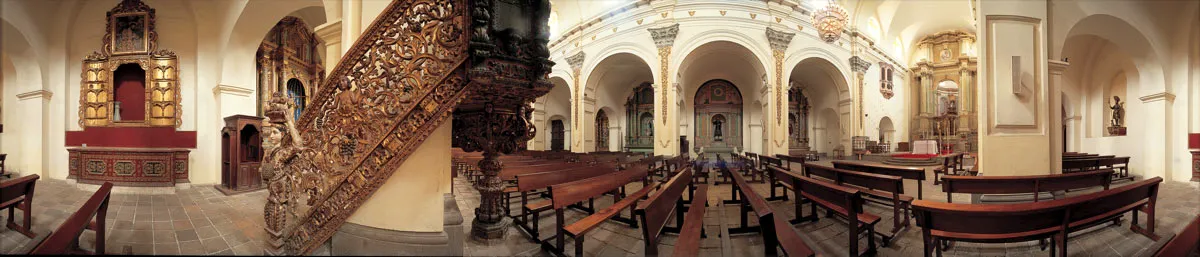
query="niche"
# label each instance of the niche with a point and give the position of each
(129, 94)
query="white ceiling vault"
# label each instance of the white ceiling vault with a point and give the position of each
(903, 20)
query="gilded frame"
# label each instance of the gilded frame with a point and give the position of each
(112, 28)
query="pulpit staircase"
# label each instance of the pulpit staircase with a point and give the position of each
(420, 63)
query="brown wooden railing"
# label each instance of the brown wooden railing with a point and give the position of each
(65, 239)
(419, 62)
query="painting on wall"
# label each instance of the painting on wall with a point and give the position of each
(129, 33)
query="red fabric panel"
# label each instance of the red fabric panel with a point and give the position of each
(914, 156)
(144, 137)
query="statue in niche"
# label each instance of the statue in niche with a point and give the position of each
(1118, 112)
(718, 123)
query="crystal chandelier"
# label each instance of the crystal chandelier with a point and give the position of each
(830, 21)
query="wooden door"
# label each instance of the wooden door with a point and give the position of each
(556, 135)
(601, 131)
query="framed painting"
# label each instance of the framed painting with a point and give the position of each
(129, 33)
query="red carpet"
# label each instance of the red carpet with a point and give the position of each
(914, 156)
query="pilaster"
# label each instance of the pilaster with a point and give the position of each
(666, 130)
(331, 34)
(859, 66)
(35, 121)
(576, 62)
(1156, 126)
(777, 128)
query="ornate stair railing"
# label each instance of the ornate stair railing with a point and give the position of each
(420, 62)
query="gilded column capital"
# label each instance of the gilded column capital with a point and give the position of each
(664, 36)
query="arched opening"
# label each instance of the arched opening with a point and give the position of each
(738, 70)
(557, 135)
(601, 131)
(620, 83)
(947, 95)
(295, 91)
(887, 133)
(289, 52)
(718, 115)
(821, 86)
(129, 94)
(555, 105)
(251, 144)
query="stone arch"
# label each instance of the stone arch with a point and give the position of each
(755, 44)
(735, 62)
(254, 20)
(640, 51)
(1130, 40)
(812, 53)
(608, 83)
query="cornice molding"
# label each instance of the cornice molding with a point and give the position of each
(330, 32)
(40, 93)
(1160, 96)
(232, 90)
(1058, 67)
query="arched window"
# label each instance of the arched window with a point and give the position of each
(295, 91)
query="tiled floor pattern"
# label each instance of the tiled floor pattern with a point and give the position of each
(201, 220)
(193, 221)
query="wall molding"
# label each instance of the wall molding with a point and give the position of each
(40, 93)
(1160, 96)
(330, 32)
(232, 90)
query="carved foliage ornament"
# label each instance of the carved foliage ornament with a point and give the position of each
(664, 39)
(390, 91)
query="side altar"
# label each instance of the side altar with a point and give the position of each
(129, 108)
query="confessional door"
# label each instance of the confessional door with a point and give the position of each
(556, 135)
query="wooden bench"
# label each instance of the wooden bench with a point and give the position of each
(788, 160)
(951, 165)
(656, 211)
(18, 194)
(1055, 219)
(775, 231)
(563, 195)
(917, 174)
(1118, 164)
(1185, 243)
(90, 216)
(688, 242)
(527, 221)
(842, 201)
(772, 182)
(1070, 165)
(874, 186)
(1024, 184)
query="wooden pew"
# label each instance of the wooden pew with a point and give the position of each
(917, 174)
(1119, 164)
(1055, 219)
(752, 202)
(890, 189)
(90, 216)
(1186, 243)
(656, 211)
(1024, 184)
(527, 221)
(788, 160)
(951, 165)
(842, 201)
(565, 194)
(772, 182)
(18, 194)
(688, 242)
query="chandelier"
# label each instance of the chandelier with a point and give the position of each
(830, 21)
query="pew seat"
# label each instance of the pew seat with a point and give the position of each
(688, 242)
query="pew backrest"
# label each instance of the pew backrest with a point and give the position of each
(835, 195)
(879, 168)
(511, 173)
(1025, 184)
(14, 189)
(1086, 208)
(770, 161)
(657, 210)
(577, 191)
(534, 181)
(788, 160)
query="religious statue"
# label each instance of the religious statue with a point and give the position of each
(717, 122)
(1118, 112)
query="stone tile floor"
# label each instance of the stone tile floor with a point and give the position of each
(201, 220)
(194, 221)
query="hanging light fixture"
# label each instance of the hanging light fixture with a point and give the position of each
(830, 21)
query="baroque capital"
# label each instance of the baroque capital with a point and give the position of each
(858, 64)
(576, 61)
(665, 36)
(779, 39)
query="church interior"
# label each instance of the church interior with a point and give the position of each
(600, 127)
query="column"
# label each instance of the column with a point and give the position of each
(859, 66)
(666, 113)
(1017, 103)
(777, 126)
(576, 62)
(35, 118)
(1157, 118)
(331, 34)
(1056, 69)
(352, 25)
